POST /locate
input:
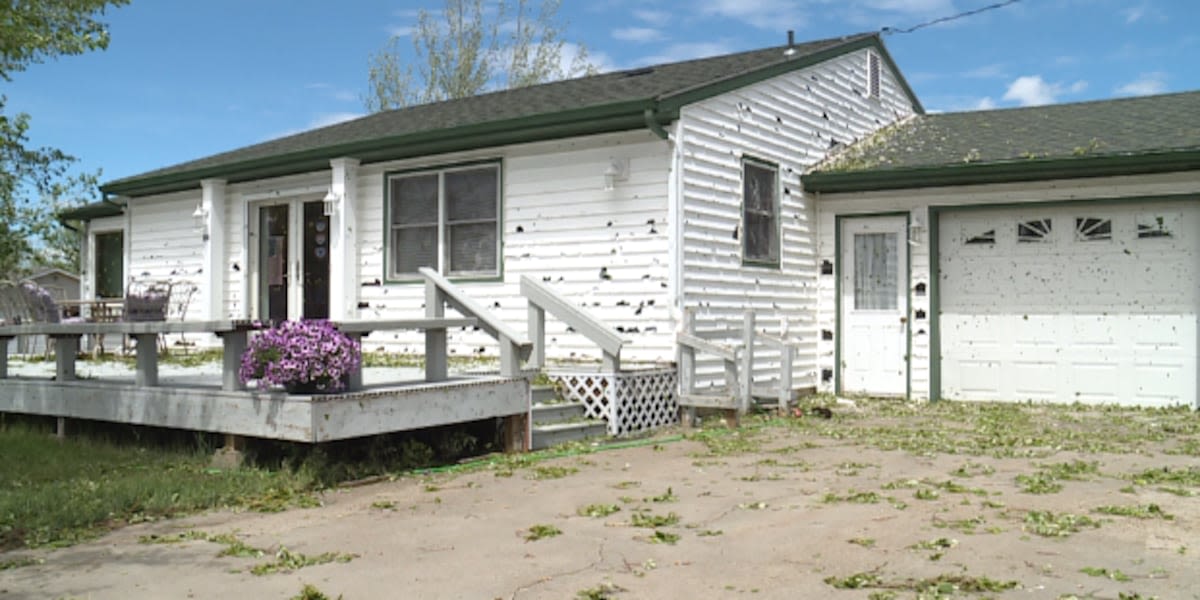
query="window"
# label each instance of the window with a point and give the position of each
(448, 220)
(1151, 226)
(986, 238)
(1092, 229)
(760, 213)
(109, 264)
(872, 75)
(1032, 232)
(876, 271)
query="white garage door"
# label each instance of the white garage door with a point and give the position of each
(1089, 302)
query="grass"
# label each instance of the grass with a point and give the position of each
(56, 494)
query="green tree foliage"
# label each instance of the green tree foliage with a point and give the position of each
(467, 47)
(36, 182)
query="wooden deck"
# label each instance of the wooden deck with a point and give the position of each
(224, 405)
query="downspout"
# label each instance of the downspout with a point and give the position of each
(651, 117)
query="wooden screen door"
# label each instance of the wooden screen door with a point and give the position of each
(874, 314)
(292, 270)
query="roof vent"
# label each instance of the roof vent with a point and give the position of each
(637, 72)
(791, 47)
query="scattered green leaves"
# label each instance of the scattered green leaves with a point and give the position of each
(1138, 511)
(598, 510)
(287, 561)
(1047, 524)
(539, 532)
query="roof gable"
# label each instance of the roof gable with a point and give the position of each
(646, 97)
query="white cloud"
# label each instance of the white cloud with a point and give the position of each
(687, 51)
(985, 103)
(763, 14)
(993, 71)
(1145, 85)
(657, 18)
(1032, 90)
(637, 34)
(401, 30)
(327, 119)
(1134, 14)
(918, 7)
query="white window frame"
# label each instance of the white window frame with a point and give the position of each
(774, 256)
(442, 253)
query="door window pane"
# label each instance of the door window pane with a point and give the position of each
(876, 272)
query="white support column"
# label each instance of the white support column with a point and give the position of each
(212, 201)
(343, 248)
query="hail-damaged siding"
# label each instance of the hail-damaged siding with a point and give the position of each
(607, 251)
(165, 246)
(792, 121)
(917, 202)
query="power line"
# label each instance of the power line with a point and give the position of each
(891, 30)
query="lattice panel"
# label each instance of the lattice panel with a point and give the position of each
(645, 400)
(589, 388)
(628, 402)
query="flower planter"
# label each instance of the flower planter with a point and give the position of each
(303, 357)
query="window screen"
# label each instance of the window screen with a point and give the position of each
(110, 265)
(876, 275)
(447, 220)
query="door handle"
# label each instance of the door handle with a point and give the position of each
(903, 320)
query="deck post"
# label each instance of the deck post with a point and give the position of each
(233, 346)
(786, 357)
(60, 429)
(436, 367)
(231, 455)
(66, 348)
(747, 375)
(513, 432)
(537, 335)
(686, 366)
(4, 357)
(435, 300)
(355, 378)
(510, 358)
(147, 359)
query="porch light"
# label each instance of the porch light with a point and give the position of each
(915, 228)
(330, 202)
(618, 170)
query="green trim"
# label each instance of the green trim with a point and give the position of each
(838, 220)
(670, 104)
(776, 264)
(498, 163)
(653, 124)
(935, 304)
(1008, 171)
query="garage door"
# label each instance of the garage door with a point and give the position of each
(1088, 302)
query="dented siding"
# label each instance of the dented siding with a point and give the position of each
(165, 246)
(605, 250)
(917, 201)
(791, 121)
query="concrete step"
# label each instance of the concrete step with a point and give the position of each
(545, 436)
(545, 394)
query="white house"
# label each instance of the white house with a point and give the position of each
(633, 193)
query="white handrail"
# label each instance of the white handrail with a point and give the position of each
(439, 292)
(541, 299)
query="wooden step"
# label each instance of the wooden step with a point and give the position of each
(709, 400)
(558, 412)
(545, 436)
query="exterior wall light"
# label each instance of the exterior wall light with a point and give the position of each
(330, 202)
(618, 170)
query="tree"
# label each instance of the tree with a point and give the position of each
(463, 50)
(34, 181)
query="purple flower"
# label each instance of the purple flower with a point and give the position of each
(298, 352)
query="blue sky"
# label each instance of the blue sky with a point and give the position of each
(188, 78)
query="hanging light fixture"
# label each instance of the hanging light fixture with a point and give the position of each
(200, 219)
(331, 201)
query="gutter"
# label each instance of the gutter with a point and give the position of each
(651, 117)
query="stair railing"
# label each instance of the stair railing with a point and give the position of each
(439, 292)
(542, 299)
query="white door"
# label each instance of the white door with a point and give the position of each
(874, 319)
(1091, 303)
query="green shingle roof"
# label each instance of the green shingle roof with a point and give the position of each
(1151, 133)
(607, 102)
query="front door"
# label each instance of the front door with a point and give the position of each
(292, 264)
(874, 314)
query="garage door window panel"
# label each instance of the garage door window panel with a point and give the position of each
(876, 285)
(1034, 232)
(1093, 229)
(1155, 226)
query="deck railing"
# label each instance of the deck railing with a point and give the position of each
(542, 299)
(439, 293)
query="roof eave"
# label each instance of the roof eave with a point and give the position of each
(585, 121)
(1003, 172)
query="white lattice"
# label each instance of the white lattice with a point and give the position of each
(630, 402)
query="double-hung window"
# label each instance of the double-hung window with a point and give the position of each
(446, 219)
(760, 213)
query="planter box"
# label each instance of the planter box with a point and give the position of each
(146, 308)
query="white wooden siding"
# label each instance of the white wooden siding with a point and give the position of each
(605, 250)
(792, 121)
(918, 200)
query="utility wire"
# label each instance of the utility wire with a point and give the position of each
(891, 30)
